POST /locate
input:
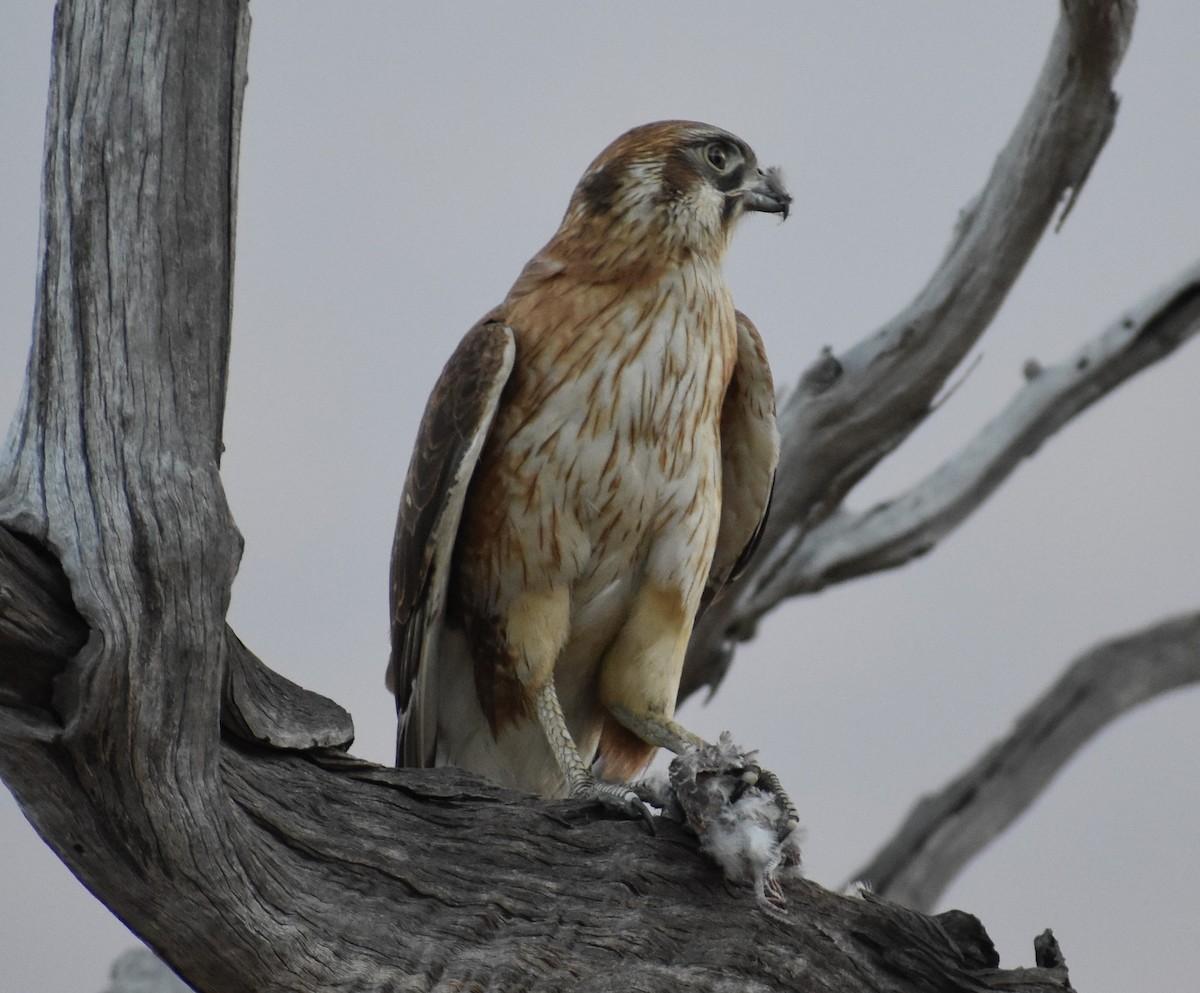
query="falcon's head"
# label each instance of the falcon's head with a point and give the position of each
(667, 190)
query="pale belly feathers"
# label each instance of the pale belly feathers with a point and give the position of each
(612, 481)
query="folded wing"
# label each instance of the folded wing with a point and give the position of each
(450, 439)
(749, 453)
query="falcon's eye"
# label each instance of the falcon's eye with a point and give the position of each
(719, 155)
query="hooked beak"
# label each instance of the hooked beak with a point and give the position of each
(767, 194)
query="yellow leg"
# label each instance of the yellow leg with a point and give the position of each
(657, 729)
(664, 732)
(639, 682)
(580, 783)
(641, 670)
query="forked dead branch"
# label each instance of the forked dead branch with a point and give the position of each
(210, 802)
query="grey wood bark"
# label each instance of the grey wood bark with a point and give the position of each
(208, 801)
(947, 829)
(849, 411)
(845, 545)
(332, 873)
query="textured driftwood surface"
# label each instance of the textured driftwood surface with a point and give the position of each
(946, 830)
(845, 545)
(849, 411)
(347, 875)
(205, 799)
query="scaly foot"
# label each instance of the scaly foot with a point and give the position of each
(769, 782)
(616, 796)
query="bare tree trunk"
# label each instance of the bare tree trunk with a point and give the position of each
(207, 801)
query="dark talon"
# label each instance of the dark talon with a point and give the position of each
(769, 782)
(617, 796)
(647, 818)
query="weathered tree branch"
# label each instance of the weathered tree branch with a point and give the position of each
(847, 413)
(846, 545)
(399, 873)
(41, 631)
(187, 786)
(948, 829)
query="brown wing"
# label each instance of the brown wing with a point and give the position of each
(451, 436)
(749, 453)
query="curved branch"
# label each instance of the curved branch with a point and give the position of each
(948, 829)
(368, 878)
(847, 545)
(357, 876)
(848, 412)
(40, 631)
(244, 860)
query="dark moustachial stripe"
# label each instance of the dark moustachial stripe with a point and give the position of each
(729, 208)
(731, 180)
(727, 184)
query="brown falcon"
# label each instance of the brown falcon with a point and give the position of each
(594, 464)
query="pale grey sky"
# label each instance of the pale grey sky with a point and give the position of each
(399, 165)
